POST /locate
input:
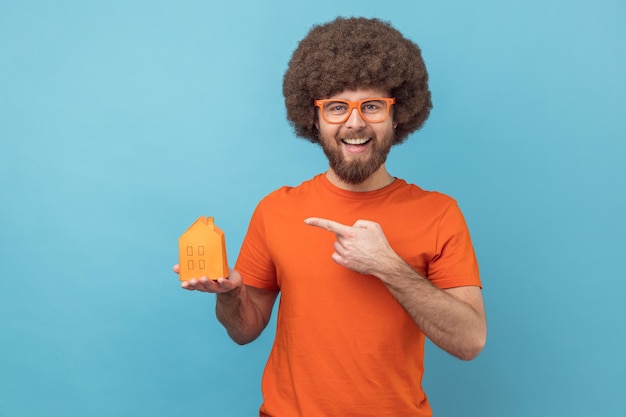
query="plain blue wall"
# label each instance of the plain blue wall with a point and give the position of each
(121, 122)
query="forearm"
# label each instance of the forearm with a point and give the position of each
(242, 319)
(457, 326)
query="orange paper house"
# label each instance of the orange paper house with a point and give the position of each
(202, 251)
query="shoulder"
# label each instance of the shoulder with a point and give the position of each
(413, 193)
(288, 193)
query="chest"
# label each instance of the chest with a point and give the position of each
(301, 250)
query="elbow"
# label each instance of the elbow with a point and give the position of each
(470, 353)
(473, 347)
(241, 342)
(242, 339)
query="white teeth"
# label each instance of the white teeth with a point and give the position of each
(359, 141)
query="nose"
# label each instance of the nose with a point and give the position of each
(355, 121)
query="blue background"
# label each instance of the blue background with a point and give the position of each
(123, 121)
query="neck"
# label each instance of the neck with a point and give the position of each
(379, 179)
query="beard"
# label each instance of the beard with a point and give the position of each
(358, 169)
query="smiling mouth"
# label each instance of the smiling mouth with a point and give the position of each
(357, 141)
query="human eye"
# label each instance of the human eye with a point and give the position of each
(337, 107)
(373, 106)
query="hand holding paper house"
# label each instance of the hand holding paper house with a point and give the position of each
(202, 251)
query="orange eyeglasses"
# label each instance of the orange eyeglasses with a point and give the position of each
(372, 110)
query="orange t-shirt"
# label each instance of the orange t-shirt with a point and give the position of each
(344, 346)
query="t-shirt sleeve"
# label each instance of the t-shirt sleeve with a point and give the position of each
(254, 262)
(454, 264)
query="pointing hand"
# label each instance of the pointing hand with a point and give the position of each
(361, 247)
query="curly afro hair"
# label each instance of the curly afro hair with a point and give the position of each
(351, 53)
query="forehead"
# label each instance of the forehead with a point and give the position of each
(360, 94)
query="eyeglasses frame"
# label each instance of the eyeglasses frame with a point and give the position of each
(355, 105)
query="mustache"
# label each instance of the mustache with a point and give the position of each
(357, 135)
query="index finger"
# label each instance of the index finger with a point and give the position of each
(330, 225)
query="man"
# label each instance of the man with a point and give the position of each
(366, 264)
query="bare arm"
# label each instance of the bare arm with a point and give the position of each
(243, 310)
(454, 319)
